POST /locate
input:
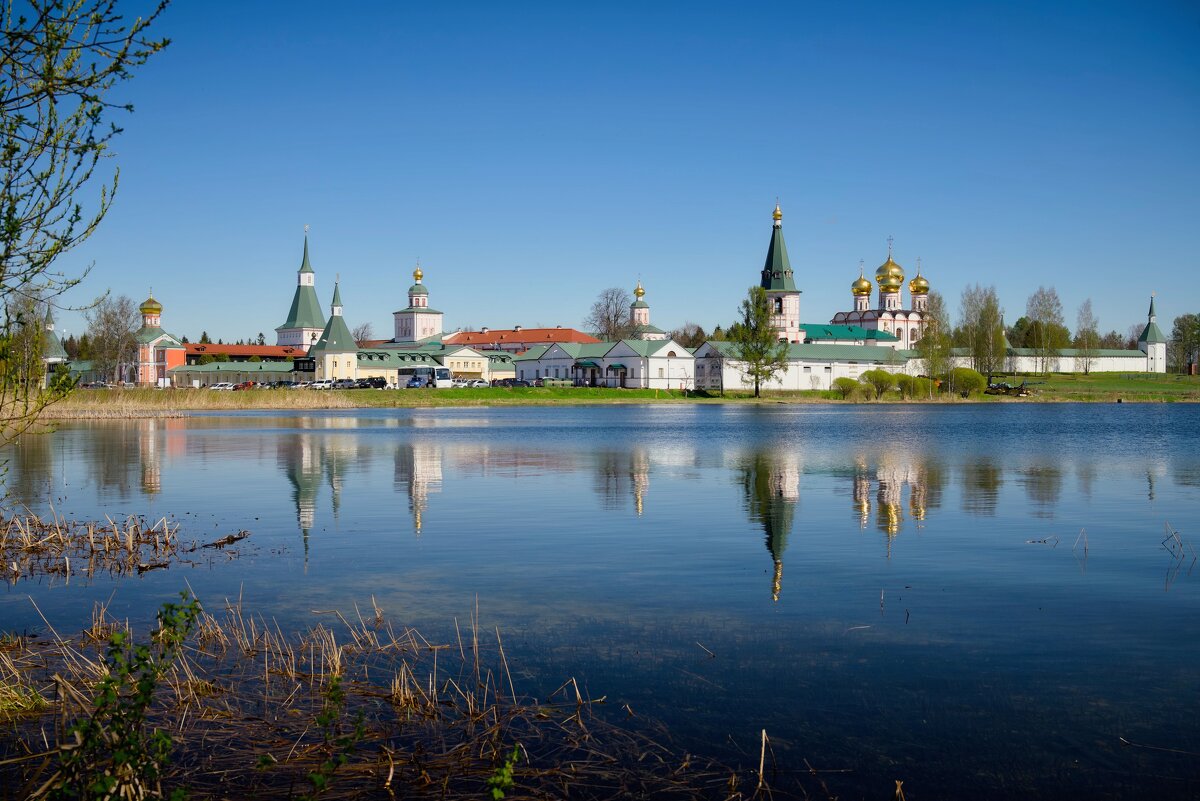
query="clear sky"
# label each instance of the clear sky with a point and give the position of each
(531, 155)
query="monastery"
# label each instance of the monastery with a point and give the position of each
(866, 336)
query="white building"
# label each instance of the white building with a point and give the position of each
(630, 363)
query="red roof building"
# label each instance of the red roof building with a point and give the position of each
(241, 353)
(516, 340)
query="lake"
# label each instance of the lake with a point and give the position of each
(976, 599)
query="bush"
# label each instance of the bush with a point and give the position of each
(844, 386)
(880, 381)
(966, 381)
(914, 386)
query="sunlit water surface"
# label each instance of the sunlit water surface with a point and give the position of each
(897, 592)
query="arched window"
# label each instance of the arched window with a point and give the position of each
(779, 305)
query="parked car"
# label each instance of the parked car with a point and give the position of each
(243, 385)
(324, 383)
(475, 383)
(376, 382)
(344, 383)
(416, 382)
(222, 385)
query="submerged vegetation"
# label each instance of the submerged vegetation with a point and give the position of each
(226, 705)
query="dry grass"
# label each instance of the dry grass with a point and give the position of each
(438, 718)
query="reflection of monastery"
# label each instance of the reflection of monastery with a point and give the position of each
(880, 334)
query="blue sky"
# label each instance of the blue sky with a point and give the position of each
(531, 155)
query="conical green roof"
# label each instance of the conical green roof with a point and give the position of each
(52, 348)
(1151, 334)
(337, 296)
(305, 311)
(777, 271)
(336, 337)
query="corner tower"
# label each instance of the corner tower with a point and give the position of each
(304, 321)
(639, 317)
(1153, 343)
(780, 286)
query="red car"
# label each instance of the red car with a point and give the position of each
(243, 385)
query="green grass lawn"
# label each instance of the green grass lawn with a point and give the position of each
(1111, 386)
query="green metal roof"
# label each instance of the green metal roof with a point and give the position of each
(648, 329)
(617, 367)
(148, 334)
(777, 271)
(424, 309)
(532, 354)
(838, 353)
(336, 337)
(586, 363)
(418, 289)
(1152, 334)
(337, 294)
(820, 331)
(305, 311)
(52, 348)
(639, 304)
(273, 368)
(305, 267)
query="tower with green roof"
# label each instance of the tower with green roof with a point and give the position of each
(1153, 343)
(418, 322)
(780, 285)
(304, 322)
(639, 317)
(335, 351)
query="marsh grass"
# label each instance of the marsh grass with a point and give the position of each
(352, 707)
(32, 545)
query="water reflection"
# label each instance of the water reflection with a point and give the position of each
(771, 483)
(418, 474)
(982, 478)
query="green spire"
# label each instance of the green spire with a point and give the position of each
(337, 298)
(1151, 334)
(777, 271)
(305, 267)
(1152, 314)
(336, 337)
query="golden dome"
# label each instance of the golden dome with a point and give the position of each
(778, 214)
(889, 276)
(418, 275)
(918, 286)
(639, 292)
(151, 306)
(861, 285)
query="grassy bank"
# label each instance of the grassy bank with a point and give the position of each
(119, 403)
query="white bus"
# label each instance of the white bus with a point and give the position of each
(413, 377)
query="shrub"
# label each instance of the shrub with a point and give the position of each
(966, 381)
(880, 381)
(844, 386)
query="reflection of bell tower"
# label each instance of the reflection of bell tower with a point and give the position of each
(148, 456)
(772, 485)
(639, 474)
(301, 464)
(419, 472)
(889, 515)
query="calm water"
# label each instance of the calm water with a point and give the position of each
(891, 590)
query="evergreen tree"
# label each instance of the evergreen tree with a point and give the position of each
(755, 343)
(204, 340)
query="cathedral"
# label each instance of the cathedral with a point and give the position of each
(889, 315)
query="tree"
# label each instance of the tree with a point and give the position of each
(58, 66)
(880, 381)
(717, 335)
(112, 323)
(1112, 339)
(1185, 341)
(1045, 314)
(981, 329)
(204, 340)
(934, 346)
(260, 339)
(690, 335)
(609, 318)
(755, 343)
(362, 334)
(845, 386)
(1087, 338)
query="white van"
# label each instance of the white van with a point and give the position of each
(225, 385)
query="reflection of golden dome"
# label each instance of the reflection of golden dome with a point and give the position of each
(889, 276)
(418, 275)
(778, 215)
(151, 306)
(861, 285)
(639, 292)
(919, 286)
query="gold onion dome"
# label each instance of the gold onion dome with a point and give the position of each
(861, 285)
(918, 286)
(638, 291)
(418, 275)
(151, 306)
(889, 276)
(778, 213)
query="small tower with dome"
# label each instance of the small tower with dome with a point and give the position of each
(918, 290)
(418, 322)
(157, 351)
(890, 278)
(1152, 343)
(639, 317)
(860, 290)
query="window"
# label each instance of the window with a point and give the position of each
(660, 372)
(779, 305)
